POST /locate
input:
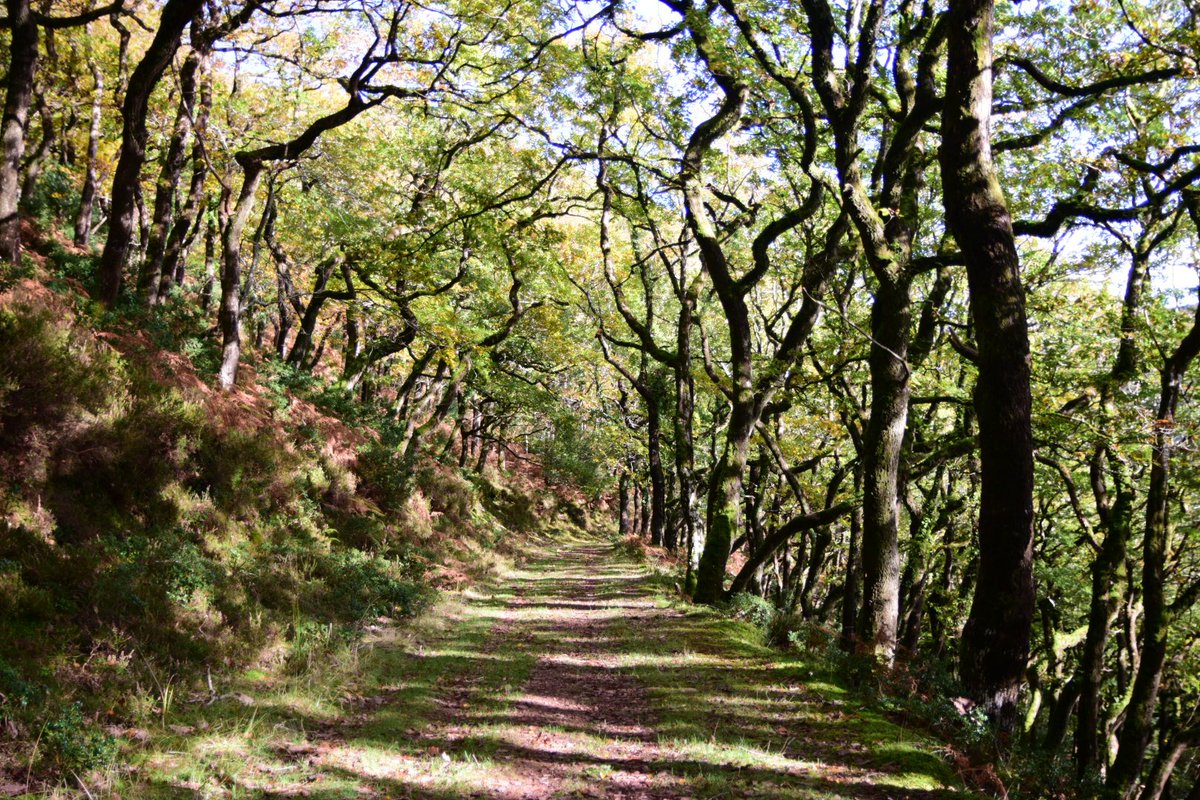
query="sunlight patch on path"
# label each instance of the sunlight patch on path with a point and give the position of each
(571, 677)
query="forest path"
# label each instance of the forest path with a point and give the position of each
(569, 677)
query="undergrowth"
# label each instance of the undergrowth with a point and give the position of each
(921, 691)
(155, 533)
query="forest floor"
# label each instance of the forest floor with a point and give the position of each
(572, 676)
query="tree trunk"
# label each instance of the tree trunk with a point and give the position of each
(176, 15)
(23, 53)
(884, 436)
(87, 195)
(443, 408)
(725, 498)
(853, 576)
(210, 272)
(623, 503)
(1109, 566)
(1164, 767)
(230, 315)
(995, 640)
(1156, 614)
(151, 279)
(33, 165)
(685, 446)
(782, 536)
(1108, 572)
(658, 481)
(308, 321)
(283, 313)
(1060, 716)
(187, 224)
(647, 504)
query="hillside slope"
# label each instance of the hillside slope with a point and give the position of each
(158, 535)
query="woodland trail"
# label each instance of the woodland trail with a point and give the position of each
(569, 677)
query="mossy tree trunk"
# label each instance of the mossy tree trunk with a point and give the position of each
(1158, 611)
(176, 15)
(995, 640)
(87, 194)
(167, 187)
(18, 97)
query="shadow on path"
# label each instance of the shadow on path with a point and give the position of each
(580, 681)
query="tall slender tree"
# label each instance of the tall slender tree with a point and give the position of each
(995, 641)
(175, 17)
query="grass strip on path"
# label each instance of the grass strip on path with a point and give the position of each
(570, 676)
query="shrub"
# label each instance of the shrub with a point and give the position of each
(204, 352)
(448, 491)
(16, 693)
(382, 473)
(753, 609)
(48, 373)
(12, 274)
(54, 196)
(359, 586)
(72, 744)
(514, 509)
(69, 267)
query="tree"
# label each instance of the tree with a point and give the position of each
(24, 24)
(995, 645)
(176, 15)
(747, 397)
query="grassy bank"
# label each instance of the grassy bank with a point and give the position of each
(163, 543)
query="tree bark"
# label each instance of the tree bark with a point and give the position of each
(230, 314)
(36, 160)
(87, 195)
(312, 311)
(995, 640)
(782, 536)
(1157, 614)
(187, 224)
(725, 500)
(210, 272)
(883, 438)
(151, 276)
(851, 581)
(623, 505)
(176, 15)
(658, 480)
(1164, 767)
(685, 446)
(18, 97)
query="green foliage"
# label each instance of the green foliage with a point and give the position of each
(55, 196)
(16, 692)
(145, 525)
(48, 372)
(204, 353)
(359, 586)
(572, 455)
(380, 466)
(164, 568)
(512, 508)
(74, 745)
(68, 268)
(11, 274)
(751, 608)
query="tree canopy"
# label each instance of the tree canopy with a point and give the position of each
(883, 311)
